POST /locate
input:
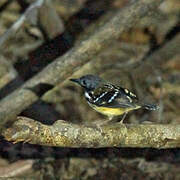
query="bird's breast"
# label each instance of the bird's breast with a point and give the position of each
(111, 111)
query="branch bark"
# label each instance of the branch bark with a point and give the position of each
(26, 16)
(50, 21)
(64, 134)
(64, 66)
(16, 169)
(7, 72)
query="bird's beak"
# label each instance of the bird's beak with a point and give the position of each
(75, 80)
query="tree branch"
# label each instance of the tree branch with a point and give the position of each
(64, 66)
(155, 61)
(49, 20)
(16, 169)
(26, 16)
(64, 134)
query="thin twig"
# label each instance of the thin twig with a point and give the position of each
(7, 72)
(14, 28)
(16, 169)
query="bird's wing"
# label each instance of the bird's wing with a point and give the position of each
(114, 97)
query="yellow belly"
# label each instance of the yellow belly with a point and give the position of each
(113, 111)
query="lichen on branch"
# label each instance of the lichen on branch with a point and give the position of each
(65, 134)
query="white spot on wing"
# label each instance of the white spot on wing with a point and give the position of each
(103, 94)
(130, 100)
(126, 91)
(113, 97)
(132, 94)
(87, 95)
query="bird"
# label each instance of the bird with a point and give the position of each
(109, 99)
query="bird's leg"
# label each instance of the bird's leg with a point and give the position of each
(104, 122)
(98, 124)
(111, 119)
(124, 115)
(121, 122)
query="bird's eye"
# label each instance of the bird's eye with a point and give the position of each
(84, 83)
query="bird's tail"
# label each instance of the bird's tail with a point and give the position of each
(151, 107)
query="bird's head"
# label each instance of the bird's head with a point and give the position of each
(88, 82)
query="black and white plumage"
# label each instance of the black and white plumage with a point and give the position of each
(109, 99)
(111, 96)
